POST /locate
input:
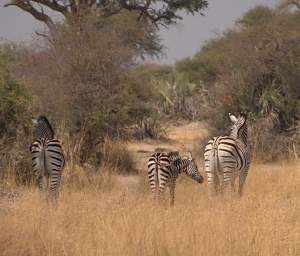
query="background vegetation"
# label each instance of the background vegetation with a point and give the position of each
(253, 68)
(87, 77)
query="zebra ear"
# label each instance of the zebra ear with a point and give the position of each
(232, 118)
(243, 115)
(190, 155)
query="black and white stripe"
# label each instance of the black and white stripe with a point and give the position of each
(164, 168)
(227, 157)
(48, 163)
(42, 128)
(47, 156)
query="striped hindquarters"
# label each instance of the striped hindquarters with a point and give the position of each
(159, 171)
(48, 161)
(38, 162)
(55, 162)
(225, 155)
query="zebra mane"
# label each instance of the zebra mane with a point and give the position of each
(173, 154)
(42, 123)
(43, 119)
(174, 157)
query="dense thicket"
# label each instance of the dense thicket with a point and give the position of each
(15, 115)
(255, 68)
(88, 81)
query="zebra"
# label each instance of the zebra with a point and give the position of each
(47, 156)
(227, 157)
(164, 168)
(42, 128)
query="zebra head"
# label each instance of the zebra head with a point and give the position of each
(191, 169)
(174, 156)
(239, 127)
(42, 128)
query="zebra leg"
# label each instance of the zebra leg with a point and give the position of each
(233, 185)
(54, 184)
(242, 179)
(172, 185)
(42, 180)
(213, 184)
(155, 194)
(217, 184)
(227, 180)
(154, 190)
(161, 192)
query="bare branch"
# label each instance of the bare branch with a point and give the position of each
(26, 6)
(164, 15)
(288, 3)
(53, 5)
(48, 38)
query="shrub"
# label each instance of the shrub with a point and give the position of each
(264, 83)
(116, 156)
(15, 119)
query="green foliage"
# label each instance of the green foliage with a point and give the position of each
(91, 90)
(15, 108)
(173, 94)
(15, 119)
(162, 90)
(255, 69)
(263, 82)
(156, 12)
(258, 15)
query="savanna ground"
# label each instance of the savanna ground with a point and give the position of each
(115, 215)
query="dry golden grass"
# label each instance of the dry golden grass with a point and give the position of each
(122, 221)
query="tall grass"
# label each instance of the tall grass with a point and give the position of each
(117, 156)
(93, 221)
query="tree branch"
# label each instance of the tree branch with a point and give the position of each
(163, 12)
(166, 15)
(26, 6)
(296, 3)
(287, 3)
(53, 5)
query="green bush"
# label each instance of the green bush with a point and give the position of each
(255, 69)
(15, 120)
(15, 107)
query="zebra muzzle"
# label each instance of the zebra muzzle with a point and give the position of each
(200, 179)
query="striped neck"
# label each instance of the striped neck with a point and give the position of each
(183, 165)
(239, 131)
(42, 129)
(244, 136)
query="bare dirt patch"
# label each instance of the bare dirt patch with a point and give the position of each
(180, 137)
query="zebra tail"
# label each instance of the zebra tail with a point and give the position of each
(42, 176)
(156, 178)
(215, 158)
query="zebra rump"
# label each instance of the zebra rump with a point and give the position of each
(48, 162)
(227, 157)
(158, 161)
(164, 168)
